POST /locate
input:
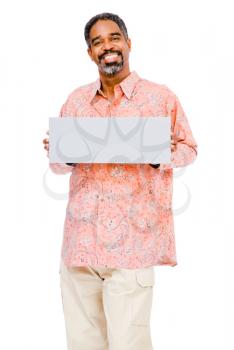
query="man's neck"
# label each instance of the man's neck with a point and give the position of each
(108, 83)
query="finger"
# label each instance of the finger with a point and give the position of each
(180, 135)
(173, 148)
(174, 136)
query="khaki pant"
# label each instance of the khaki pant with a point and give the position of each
(107, 308)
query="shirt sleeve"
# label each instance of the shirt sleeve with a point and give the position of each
(186, 149)
(60, 168)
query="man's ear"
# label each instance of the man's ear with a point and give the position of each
(129, 44)
(90, 53)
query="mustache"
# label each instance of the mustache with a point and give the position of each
(108, 52)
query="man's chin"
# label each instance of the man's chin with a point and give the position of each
(111, 74)
(111, 69)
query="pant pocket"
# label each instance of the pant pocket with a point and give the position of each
(143, 297)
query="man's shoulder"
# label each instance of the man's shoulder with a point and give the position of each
(81, 91)
(154, 87)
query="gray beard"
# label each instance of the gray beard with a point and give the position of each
(111, 68)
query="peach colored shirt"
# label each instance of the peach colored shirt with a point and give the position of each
(120, 215)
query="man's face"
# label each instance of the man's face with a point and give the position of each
(109, 48)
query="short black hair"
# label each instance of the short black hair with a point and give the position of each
(104, 16)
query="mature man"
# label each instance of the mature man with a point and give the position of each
(119, 221)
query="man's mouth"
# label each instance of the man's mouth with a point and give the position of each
(110, 57)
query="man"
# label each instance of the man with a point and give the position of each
(119, 221)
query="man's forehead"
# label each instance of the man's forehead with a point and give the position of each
(106, 27)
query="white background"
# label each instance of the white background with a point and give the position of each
(187, 45)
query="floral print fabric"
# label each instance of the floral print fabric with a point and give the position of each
(120, 215)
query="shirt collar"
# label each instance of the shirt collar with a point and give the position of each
(127, 85)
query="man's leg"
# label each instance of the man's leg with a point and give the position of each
(127, 301)
(81, 291)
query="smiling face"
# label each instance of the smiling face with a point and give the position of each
(109, 49)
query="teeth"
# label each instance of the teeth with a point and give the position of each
(111, 55)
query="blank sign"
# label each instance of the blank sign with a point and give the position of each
(110, 140)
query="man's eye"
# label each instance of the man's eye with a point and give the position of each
(96, 43)
(115, 38)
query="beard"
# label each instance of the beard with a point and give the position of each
(111, 68)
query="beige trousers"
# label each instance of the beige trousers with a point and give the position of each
(107, 308)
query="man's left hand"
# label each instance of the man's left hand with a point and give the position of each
(175, 138)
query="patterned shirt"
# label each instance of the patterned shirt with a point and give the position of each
(120, 215)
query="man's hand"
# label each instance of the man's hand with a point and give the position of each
(175, 138)
(46, 143)
(46, 147)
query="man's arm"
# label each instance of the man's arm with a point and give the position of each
(185, 151)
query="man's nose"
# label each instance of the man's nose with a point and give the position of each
(107, 45)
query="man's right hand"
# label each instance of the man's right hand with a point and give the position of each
(46, 143)
(46, 147)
